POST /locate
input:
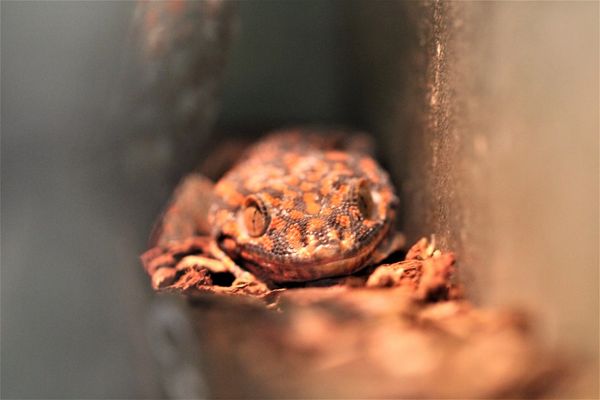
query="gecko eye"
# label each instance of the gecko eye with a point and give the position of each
(365, 199)
(255, 216)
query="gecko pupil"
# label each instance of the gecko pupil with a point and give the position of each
(365, 201)
(255, 220)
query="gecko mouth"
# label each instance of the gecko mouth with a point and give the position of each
(294, 269)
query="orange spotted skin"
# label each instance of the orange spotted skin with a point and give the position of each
(327, 209)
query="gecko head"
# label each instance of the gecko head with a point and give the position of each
(310, 224)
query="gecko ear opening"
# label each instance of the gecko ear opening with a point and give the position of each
(255, 216)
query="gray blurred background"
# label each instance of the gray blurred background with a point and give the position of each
(486, 115)
(73, 301)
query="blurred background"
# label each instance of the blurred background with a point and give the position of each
(486, 115)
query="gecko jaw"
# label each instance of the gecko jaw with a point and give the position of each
(290, 269)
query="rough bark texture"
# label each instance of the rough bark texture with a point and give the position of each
(442, 98)
(489, 117)
(171, 77)
(369, 343)
(399, 329)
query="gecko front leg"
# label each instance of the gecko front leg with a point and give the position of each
(185, 256)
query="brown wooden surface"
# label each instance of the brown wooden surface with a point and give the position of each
(400, 329)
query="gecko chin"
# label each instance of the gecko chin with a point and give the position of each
(324, 262)
(300, 270)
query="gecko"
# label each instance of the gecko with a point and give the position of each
(303, 205)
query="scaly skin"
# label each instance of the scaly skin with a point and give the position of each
(325, 211)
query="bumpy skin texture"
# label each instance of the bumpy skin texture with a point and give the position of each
(317, 209)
